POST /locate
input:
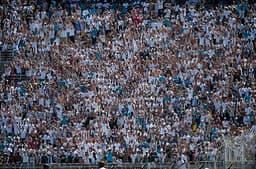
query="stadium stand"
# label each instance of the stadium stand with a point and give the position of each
(128, 82)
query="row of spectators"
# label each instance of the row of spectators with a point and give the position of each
(127, 82)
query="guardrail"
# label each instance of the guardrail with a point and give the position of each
(191, 165)
(221, 165)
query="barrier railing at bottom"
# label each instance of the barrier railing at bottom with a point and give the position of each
(190, 165)
(221, 165)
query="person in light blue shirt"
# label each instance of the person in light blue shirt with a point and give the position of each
(109, 156)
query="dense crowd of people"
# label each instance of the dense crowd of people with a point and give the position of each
(141, 81)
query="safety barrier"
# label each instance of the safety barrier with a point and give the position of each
(191, 165)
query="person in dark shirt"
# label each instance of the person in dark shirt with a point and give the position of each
(62, 158)
(102, 165)
(17, 158)
(75, 158)
(44, 159)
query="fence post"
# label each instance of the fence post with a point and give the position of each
(225, 151)
(188, 165)
(243, 156)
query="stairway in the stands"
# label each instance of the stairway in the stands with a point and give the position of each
(6, 57)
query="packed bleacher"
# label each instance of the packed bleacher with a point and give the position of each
(134, 81)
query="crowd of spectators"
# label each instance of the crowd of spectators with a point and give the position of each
(140, 81)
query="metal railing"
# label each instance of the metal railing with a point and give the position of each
(221, 165)
(240, 148)
(190, 165)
